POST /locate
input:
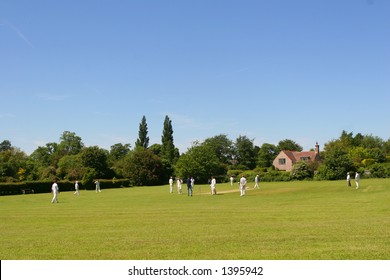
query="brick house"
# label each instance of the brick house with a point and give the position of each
(286, 159)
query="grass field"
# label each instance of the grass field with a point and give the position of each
(289, 221)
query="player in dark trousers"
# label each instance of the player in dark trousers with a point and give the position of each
(189, 186)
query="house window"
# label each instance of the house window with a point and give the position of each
(282, 161)
(305, 158)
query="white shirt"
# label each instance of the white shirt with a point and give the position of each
(54, 188)
(242, 181)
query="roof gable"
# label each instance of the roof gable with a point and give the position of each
(297, 156)
(289, 154)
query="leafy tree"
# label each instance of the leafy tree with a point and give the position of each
(88, 178)
(372, 142)
(222, 146)
(336, 165)
(357, 155)
(357, 140)
(156, 149)
(5, 146)
(45, 156)
(368, 162)
(168, 168)
(245, 152)
(361, 150)
(21, 174)
(48, 173)
(142, 167)
(70, 167)
(266, 155)
(119, 151)
(143, 139)
(380, 170)
(386, 147)
(42, 163)
(96, 158)
(200, 162)
(289, 145)
(10, 163)
(300, 171)
(377, 154)
(347, 140)
(70, 144)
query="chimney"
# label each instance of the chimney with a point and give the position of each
(317, 149)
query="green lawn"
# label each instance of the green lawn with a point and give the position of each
(292, 220)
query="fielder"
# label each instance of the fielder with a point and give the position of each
(171, 185)
(97, 183)
(55, 190)
(357, 178)
(213, 186)
(178, 183)
(256, 182)
(76, 187)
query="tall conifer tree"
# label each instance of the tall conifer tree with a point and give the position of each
(168, 147)
(143, 139)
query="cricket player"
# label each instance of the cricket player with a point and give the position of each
(171, 185)
(76, 187)
(256, 182)
(55, 190)
(357, 178)
(97, 183)
(178, 183)
(348, 179)
(242, 186)
(213, 186)
(231, 180)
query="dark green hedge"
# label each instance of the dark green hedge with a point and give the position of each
(64, 186)
(107, 184)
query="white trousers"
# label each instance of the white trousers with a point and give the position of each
(242, 190)
(55, 199)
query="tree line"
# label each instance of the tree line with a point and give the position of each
(219, 156)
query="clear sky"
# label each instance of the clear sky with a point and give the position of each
(270, 70)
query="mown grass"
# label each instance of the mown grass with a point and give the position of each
(290, 221)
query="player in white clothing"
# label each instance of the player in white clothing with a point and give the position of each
(256, 182)
(242, 185)
(178, 183)
(55, 190)
(76, 187)
(357, 178)
(213, 186)
(171, 185)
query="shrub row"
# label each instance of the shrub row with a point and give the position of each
(265, 176)
(64, 186)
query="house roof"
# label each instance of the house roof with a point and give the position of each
(296, 156)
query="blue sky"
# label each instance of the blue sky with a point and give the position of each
(269, 70)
